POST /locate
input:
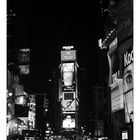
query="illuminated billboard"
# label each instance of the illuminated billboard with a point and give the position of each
(21, 100)
(128, 78)
(68, 122)
(117, 96)
(68, 78)
(125, 135)
(24, 69)
(68, 55)
(68, 67)
(68, 72)
(68, 102)
(114, 62)
(129, 106)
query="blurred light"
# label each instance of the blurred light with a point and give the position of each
(100, 43)
(25, 50)
(68, 47)
(47, 124)
(46, 110)
(47, 131)
(10, 94)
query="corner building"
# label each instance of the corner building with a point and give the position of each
(119, 43)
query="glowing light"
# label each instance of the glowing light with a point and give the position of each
(68, 47)
(10, 94)
(47, 124)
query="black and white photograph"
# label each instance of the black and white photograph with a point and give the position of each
(69, 70)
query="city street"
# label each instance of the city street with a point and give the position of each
(70, 74)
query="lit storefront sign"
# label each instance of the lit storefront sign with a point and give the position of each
(68, 55)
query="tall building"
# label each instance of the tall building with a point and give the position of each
(119, 43)
(68, 91)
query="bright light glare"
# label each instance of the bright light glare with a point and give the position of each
(10, 94)
(68, 47)
(69, 123)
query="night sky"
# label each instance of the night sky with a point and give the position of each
(45, 28)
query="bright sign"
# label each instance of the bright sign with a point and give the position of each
(24, 69)
(128, 58)
(128, 78)
(68, 122)
(69, 55)
(129, 106)
(68, 105)
(68, 102)
(67, 67)
(68, 78)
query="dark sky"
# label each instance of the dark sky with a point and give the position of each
(45, 28)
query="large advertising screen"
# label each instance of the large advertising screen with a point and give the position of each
(68, 55)
(21, 100)
(68, 67)
(117, 96)
(128, 84)
(128, 77)
(68, 122)
(68, 73)
(129, 106)
(114, 63)
(68, 102)
(68, 78)
(24, 69)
